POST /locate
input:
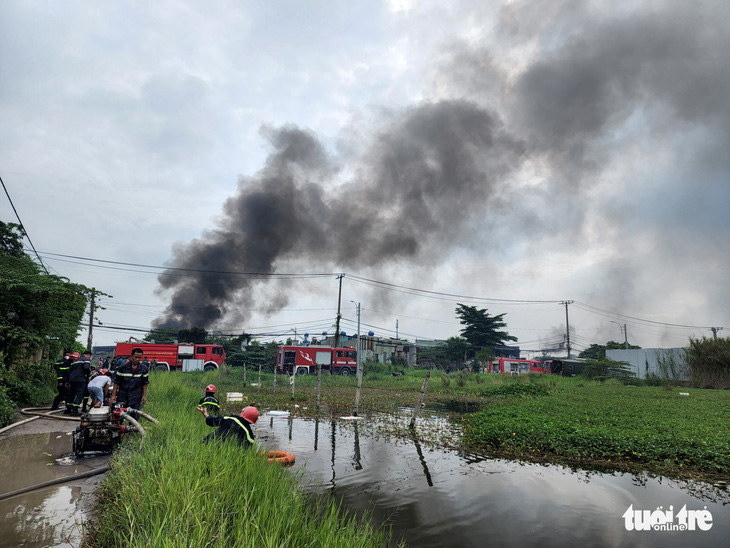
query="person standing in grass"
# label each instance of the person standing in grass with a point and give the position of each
(232, 426)
(209, 401)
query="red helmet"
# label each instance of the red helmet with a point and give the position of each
(104, 371)
(75, 356)
(250, 414)
(210, 388)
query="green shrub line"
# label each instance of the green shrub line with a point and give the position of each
(176, 491)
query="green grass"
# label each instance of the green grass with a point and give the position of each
(625, 427)
(176, 492)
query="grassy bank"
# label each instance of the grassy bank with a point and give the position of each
(175, 491)
(621, 427)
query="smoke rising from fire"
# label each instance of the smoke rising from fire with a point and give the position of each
(597, 96)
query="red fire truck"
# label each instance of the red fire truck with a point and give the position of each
(304, 360)
(514, 367)
(176, 356)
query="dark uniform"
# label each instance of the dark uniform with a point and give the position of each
(230, 426)
(62, 368)
(210, 403)
(79, 378)
(130, 382)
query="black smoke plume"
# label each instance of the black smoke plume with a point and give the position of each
(600, 89)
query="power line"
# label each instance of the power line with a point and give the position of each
(22, 227)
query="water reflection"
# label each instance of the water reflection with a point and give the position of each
(47, 517)
(447, 498)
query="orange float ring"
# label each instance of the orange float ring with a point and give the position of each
(283, 457)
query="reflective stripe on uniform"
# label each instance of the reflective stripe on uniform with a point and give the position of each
(238, 422)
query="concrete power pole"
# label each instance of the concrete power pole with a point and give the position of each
(339, 302)
(714, 331)
(567, 326)
(91, 319)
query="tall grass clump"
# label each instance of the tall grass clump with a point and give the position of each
(709, 362)
(176, 491)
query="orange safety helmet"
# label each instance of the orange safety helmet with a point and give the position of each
(210, 388)
(250, 414)
(75, 356)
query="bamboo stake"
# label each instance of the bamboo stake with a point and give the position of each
(319, 382)
(420, 399)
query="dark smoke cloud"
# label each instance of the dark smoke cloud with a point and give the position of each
(405, 201)
(598, 83)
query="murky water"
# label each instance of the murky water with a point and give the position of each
(428, 497)
(446, 498)
(52, 516)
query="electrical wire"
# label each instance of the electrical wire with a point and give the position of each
(22, 226)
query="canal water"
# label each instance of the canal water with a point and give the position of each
(429, 497)
(51, 517)
(437, 498)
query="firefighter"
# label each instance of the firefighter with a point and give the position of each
(69, 391)
(209, 401)
(232, 426)
(79, 378)
(61, 367)
(99, 387)
(130, 382)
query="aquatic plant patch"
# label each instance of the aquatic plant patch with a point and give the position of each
(659, 430)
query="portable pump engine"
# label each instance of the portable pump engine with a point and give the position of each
(100, 429)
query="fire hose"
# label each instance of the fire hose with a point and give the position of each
(34, 411)
(57, 481)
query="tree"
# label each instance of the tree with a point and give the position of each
(194, 335)
(482, 330)
(38, 311)
(598, 351)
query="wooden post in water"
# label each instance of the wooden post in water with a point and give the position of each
(292, 379)
(359, 385)
(259, 377)
(319, 382)
(420, 399)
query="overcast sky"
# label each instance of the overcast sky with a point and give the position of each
(507, 155)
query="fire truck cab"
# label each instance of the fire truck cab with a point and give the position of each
(303, 360)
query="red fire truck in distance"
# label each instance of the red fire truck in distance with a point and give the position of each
(304, 360)
(514, 367)
(177, 356)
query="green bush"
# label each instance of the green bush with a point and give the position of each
(7, 408)
(519, 390)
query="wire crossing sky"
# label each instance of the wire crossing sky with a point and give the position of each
(520, 153)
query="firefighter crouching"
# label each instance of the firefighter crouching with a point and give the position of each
(231, 426)
(130, 382)
(61, 368)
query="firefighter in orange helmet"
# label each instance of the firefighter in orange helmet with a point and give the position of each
(230, 426)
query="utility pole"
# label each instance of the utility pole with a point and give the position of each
(714, 331)
(91, 318)
(339, 302)
(396, 329)
(625, 332)
(359, 368)
(567, 326)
